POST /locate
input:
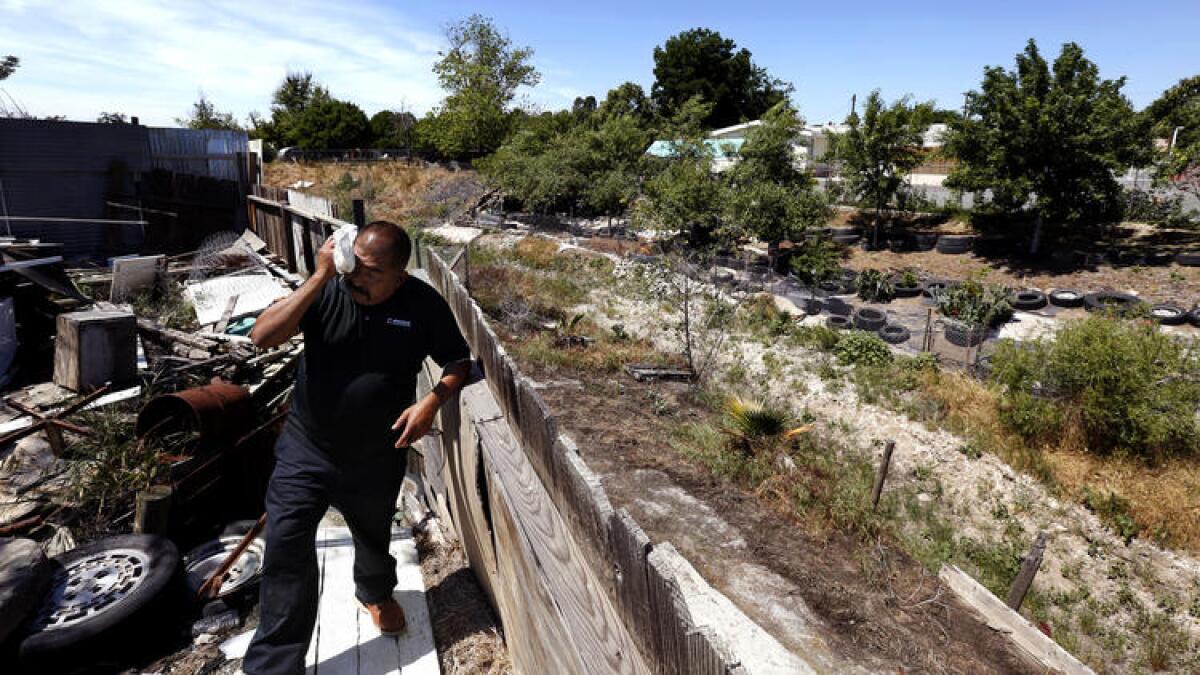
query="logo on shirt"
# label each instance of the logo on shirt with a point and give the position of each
(398, 323)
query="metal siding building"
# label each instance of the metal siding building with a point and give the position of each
(70, 169)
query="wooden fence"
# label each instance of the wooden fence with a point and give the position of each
(293, 231)
(573, 579)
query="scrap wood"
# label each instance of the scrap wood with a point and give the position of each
(51, 422)
(642, 372)
(170, 335)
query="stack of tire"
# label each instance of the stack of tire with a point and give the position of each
(1188, 259)
(955, 244)
(846, 236)
(925, 241)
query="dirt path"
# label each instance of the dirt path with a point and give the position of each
(811, 594)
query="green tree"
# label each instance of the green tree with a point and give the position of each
(393, 129)
(769, 197)
(1047, 140)
(699, 62)
(296, 93)
(8, 65)
(881, 148)
(205, 115)
(1175, 116)
(685, 196)
(481, 72)
(112, 118)
(331, 124)
(628, 99)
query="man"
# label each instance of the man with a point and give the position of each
(353, 417)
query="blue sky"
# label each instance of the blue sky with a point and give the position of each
(151, 58)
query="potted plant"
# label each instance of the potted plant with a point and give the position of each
(970, 308)
(875, 286)
(907, 284)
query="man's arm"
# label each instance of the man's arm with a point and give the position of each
(418, 418)
(281, 320)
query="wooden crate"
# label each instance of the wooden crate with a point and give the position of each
(95, 347)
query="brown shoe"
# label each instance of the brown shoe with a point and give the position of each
(387, 615)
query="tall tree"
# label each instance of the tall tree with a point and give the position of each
(296, 93)
(699, 62)
(8, 65)
(881, 148)
(112, 118)
(393, 129)
(1047, 140)
(628, 99)
(770, 198)
(205, 115)
(481, 72)
(1175, 116)
(331, 124)
(685, 196)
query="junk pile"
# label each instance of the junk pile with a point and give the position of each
(137, 421)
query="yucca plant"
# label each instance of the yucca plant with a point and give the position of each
(755, 419)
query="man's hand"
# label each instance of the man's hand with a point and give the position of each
(325, 267)
(415, 421)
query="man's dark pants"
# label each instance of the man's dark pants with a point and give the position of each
(362, 483)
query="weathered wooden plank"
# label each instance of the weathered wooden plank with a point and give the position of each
(582, 500)
(536, 637)
(1043, 651)
(596, 632)
(629, 546)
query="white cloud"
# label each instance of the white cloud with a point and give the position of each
(151, 58)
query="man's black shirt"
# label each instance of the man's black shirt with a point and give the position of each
(360, 362)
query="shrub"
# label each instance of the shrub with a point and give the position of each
(862, 348)
(819, 337)
(1114, 511)
(1123, 384)
(909, 278)
(875, 286)
(754, 419)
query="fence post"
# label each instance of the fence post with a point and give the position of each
(1029, 569)
(882, 474)
(360, 213)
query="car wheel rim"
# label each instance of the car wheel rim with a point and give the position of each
(201, 562)
(92, 585)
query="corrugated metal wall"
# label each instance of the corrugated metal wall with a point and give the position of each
(201, 152)
(70, 169)
(62, 170)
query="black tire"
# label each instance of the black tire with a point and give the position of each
(897, 245)
(963, 336)
(1027, 300)
(925, 241)
(838, 322)
(930, 287)
(954, 243)
(894, 334)
(1111, 301)
(839, 307)
(906, 291)
(1194, 317)
(846, 239)
(866, 318)
(812, 306)
(720, 276)
(843, 231)
(1169, 315)
(1190, 259)
(137, 568)
(1065, 297)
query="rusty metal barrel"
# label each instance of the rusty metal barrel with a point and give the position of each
(216, 412)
